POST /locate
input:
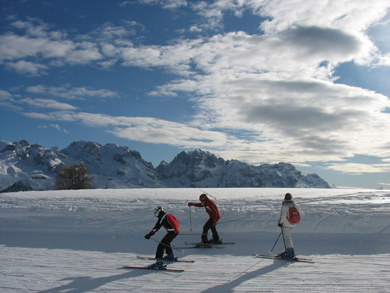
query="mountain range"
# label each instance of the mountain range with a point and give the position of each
(33, 167)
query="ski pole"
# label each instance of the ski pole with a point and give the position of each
(284, 241)
(275, 242)
(234, 220)
(190, 219)
(208, 194)
(173, 247)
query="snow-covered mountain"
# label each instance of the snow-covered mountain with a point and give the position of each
(202, 169)
(33, 167)
(113, 166)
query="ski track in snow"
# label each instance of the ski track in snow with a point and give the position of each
(77, 241)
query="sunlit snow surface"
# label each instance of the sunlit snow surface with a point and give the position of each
(76, 241)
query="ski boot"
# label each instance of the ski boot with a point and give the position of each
(170, 257)
(213, 241)
(158, 265)
(288, 254)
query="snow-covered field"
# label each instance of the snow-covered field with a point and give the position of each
(77, 241)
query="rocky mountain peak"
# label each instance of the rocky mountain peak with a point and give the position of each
(115, 166)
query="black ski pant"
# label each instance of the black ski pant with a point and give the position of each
(165, 243)
(209, 225)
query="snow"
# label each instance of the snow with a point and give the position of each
(77, 241)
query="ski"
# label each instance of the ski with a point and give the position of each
(196, 246)
(295, 259)
(176, 259)
(269, 255)
(195, 243)
(153, 269)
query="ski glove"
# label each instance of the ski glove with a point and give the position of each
(147, 236)
(190, 204)
(280, 225)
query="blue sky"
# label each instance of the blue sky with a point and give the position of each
(257, 81)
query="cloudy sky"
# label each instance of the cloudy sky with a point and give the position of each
(261, 81)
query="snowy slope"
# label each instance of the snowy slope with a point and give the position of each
(76, 241)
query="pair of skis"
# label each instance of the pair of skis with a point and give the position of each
(204, 245)
(164, 268)
(295, 259)
(175, 260)
(195, 243)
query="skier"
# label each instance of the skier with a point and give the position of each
(287, 227)
(172, 225)
(213, 211)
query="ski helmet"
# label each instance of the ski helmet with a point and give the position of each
(202, 197)
(157, 211)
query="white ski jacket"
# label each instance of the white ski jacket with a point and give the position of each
(284, 213)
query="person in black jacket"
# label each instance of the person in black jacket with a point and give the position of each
(172, 225)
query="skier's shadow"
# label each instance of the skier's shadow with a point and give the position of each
(228, 287)
(87, 284)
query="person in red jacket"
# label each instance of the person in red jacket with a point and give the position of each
(172, 225)
(213, 211)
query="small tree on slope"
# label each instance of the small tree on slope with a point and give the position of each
(74, 177)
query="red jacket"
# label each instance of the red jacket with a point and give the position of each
(211, 208)
(169, 222)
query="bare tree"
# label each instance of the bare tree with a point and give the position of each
(74, 177)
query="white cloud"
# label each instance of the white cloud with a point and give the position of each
(14, 47)
(48, 104)
(145, 129)
(175, 57)
(28, 68)
(358, 169)
(109, 33)
(5, 95)
(290, 53)
(40, 46)
(171, 89)
(152, 130)
(67, 92)
(195, 29)
(42, 116)
(7, 101)
(176, 134)
(56, 126)
(319, 120)
(167, 4)
(33, 27)
(84, 53)
(384, 60)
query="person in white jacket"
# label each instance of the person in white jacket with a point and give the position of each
(286, 226)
